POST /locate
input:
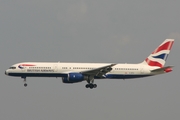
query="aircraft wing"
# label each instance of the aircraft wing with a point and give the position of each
(99, 72)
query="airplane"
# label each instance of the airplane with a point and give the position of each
(78, 72)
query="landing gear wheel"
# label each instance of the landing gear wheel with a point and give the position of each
(25, 84)
(87, 85)
(95, 85)
(91, 86)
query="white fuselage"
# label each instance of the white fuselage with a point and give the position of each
(58, 69)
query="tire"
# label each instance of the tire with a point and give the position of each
(91, 86)
(25, 85)
(87, 86)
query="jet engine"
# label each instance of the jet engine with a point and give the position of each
(74, 78)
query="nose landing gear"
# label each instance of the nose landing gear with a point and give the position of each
(25, 84)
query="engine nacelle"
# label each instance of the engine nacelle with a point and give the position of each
(74, 78)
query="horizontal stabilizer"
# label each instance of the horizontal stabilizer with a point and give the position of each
(165, 69)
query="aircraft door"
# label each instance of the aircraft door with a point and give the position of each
(24, 69)
(55, 67)
(142, 69)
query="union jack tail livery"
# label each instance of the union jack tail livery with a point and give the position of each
(160, 54)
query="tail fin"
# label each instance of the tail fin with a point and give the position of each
(160, 54)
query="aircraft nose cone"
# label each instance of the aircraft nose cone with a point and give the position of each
(5, 73)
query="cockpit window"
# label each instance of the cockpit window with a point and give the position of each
(12, 68)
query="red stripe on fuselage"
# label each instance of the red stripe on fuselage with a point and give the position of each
(165, 46)
(153, 63)
(27, 65)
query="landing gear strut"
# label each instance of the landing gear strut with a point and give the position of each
(25, 84)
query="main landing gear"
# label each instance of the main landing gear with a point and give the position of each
(91, 86)
(90, 83)
(25, 84)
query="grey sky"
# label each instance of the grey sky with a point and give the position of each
(88, 31)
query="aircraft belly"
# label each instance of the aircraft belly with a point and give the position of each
(124, 76)
(38, 74)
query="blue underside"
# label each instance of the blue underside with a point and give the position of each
(120, 76)
(109, 76)
(38, 75)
